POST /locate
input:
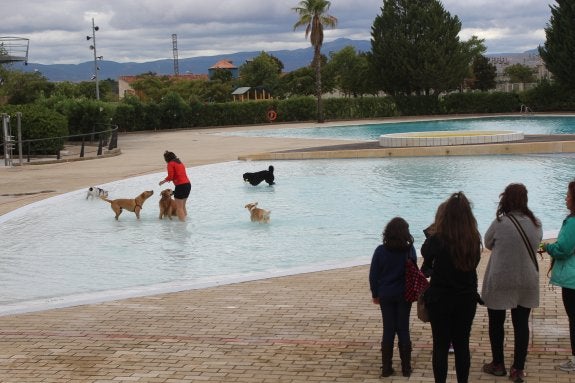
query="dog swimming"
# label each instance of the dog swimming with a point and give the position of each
(258, 177)
(257, 214)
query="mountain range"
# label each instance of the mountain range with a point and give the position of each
(292, 59)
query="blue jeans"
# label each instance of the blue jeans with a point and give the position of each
(395, 311)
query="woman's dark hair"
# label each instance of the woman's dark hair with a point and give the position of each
(456, 227)
(171, 156)
(514, 198)
(396, 235)
(571, 190)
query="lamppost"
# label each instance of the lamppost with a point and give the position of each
(96, 57)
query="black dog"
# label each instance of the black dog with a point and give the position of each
(257, 177)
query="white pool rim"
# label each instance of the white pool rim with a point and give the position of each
(448, 138)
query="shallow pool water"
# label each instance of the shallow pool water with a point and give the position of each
(528, 124)
(324, 213)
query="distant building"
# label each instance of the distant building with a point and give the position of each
(224, 65)
(246, 93)
(125, 87)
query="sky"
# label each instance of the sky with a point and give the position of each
(141, 30)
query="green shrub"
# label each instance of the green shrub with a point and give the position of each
(418, 105)
(481, 102)
(44, 126)
(548, 97)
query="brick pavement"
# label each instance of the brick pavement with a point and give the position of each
(309, 327)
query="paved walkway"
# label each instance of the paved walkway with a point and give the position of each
(309, 327)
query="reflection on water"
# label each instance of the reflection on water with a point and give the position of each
(370, 132)
(323, 212)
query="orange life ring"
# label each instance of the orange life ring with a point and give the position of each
(272, 115)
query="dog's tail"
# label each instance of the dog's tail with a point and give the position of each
(105, 199)
(271, 169)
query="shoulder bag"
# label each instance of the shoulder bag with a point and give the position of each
(415, 282)
(525, 240)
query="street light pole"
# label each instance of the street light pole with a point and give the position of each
(93, 47)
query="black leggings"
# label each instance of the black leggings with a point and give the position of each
(451, 319)
(569, 303)
(520, 319)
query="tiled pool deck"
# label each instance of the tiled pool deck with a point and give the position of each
(317, 326)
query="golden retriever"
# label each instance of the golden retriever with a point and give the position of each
(167, 204)
(257, 214)
(133, 205)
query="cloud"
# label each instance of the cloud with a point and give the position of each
(141, 30)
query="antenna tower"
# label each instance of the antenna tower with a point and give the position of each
(175, 52)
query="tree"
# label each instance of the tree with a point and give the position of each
(263, 70)
(349, 70)
(558, 52)
(300, 82)
(24, 87)
(416, 48)
(222, 75)
(313, 15)
(484, 74)
(519, 73)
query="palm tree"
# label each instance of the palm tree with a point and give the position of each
(313, 14)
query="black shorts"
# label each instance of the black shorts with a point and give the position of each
(182, 191)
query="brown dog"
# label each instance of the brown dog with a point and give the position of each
(167, 204)
(257, 214)
(133, 205)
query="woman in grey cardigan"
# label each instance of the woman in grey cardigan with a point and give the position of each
(511, 280)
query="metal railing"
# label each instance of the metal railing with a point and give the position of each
(52, 147)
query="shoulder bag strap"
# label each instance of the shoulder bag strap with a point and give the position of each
(525, 240)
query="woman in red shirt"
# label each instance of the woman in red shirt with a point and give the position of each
(177, 175)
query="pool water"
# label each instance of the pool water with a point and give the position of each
(325, 213)
(371, 132)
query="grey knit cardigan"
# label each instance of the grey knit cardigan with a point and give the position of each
(510, 279)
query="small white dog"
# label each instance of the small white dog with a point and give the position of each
(96, 192)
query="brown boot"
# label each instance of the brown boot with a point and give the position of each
(405, 355)
(386, 357)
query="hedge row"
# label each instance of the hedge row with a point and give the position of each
(85, 116)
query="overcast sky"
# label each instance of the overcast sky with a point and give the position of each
(141, 30)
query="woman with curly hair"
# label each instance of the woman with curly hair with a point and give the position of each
(387, 283)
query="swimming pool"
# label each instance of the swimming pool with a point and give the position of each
(325, 213)
(528, 124)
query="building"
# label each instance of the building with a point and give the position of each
(227, 65)
(246, 93)
(125, 88)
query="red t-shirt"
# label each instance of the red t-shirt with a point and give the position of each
(177, 173)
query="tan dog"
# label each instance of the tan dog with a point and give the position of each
(133, 205)
(257, 214)
(167, 204)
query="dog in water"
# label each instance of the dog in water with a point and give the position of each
(134, 205)
(167, 204)
(257, 214)
(257, 177)
(95, 192)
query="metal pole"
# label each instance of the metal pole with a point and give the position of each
(19, 125)
(8, 140)
(95, 60)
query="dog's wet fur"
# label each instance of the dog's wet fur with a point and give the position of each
(257, 214)
(167, 204)
(134, 204)
(258, 177)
